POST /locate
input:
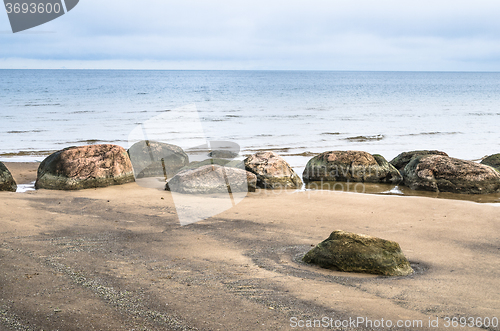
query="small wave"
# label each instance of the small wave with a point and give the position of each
(394, 190)
(365, 138)
(22, 188)
(277, 150)
(82, 112)
(41, 104)
(484, 114)
(142, 93)
(27, 153)
(218, 120)
(235, 116)
(29, 131)
(91, 142)
(331, 133)
(431, 133)
(308, 154)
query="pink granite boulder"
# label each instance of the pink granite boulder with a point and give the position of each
(92, 166)
(272, 171)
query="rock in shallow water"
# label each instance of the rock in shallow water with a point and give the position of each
(492, 161)
(350, 166)
(7, 182)
(92, 166)
(440, 173)
(400, 161)
(272, 171)
(212, 179)
(350, 252)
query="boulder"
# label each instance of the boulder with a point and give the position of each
(350, 166)
(212, 179)
(223, 154)
(272, 171)
(7, 182)
(440, 173)
(221, 162)
(350, 252)
(155, 159)
(492, 161)
(400, 161)
(76, 168)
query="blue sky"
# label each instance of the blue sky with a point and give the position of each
(273, 34)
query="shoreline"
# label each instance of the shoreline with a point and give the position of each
(25, 174)
(117, 257)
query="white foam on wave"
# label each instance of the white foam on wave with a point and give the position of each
(394, 190)
(22, 188)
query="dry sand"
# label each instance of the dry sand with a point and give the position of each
(116, 258)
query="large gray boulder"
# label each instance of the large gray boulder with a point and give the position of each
(400, 161)
(350, 166)
(7, 182)
(440, 173)
(222, 162)
(492, 161)
(92, 166)
(212, 179)
(350, 252)
(272, 171)
(156, 159)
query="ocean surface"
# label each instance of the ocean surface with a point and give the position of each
(295, 113)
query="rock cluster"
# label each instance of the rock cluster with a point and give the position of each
(440, 173)
(103, 165)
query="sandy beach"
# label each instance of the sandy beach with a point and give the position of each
(117, 258)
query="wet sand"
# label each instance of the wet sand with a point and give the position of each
(116, 258)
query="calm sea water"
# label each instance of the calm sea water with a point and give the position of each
(294, 113)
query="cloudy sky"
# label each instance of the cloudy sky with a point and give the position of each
(273, 34)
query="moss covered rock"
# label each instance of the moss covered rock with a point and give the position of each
(351, 252)
(272, 171)
(350, 166)
(7, 182)
(440, 173)
(92, 166)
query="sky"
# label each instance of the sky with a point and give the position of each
(438, 35)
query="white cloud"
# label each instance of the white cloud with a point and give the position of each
(221, 34)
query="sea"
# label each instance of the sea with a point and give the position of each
(297, 114)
